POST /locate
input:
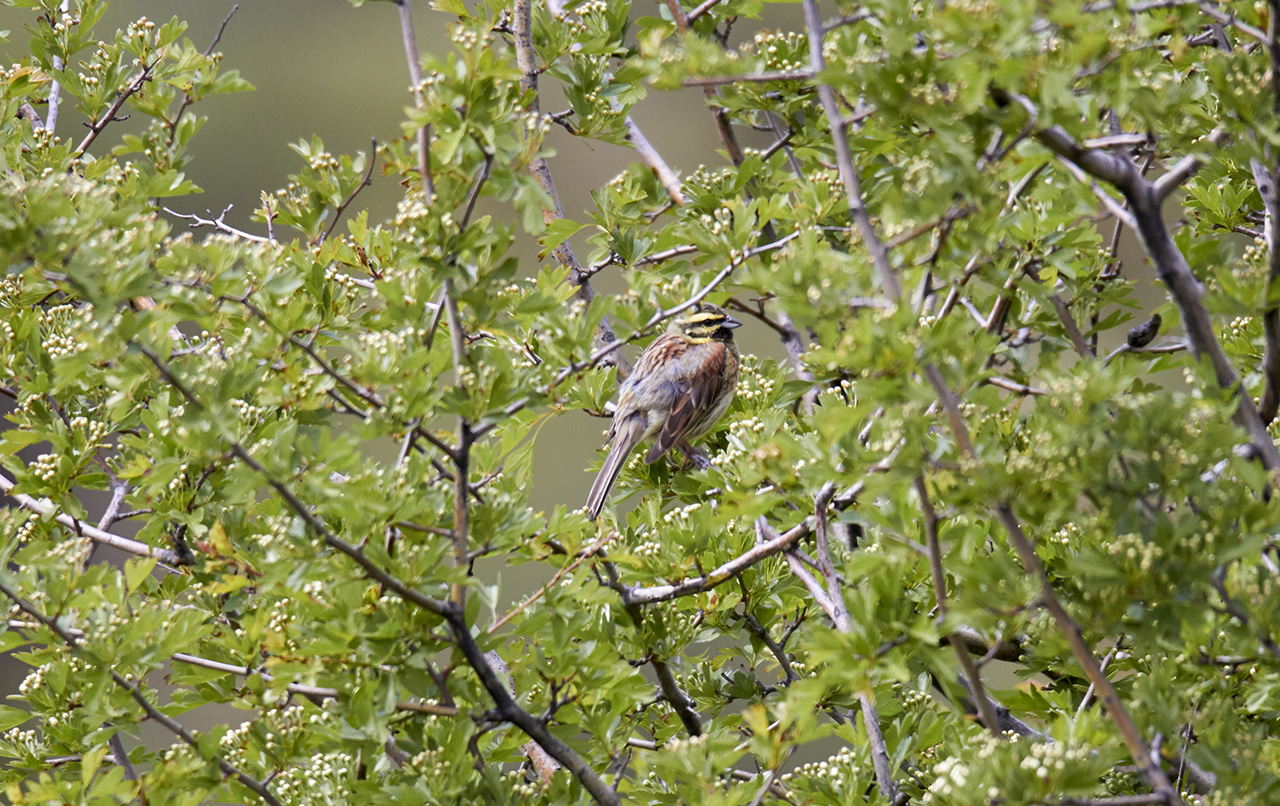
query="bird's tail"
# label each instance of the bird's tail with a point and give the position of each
(608, 474)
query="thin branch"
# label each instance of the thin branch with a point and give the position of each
(1087, 699)
(1267, 180)
(321, 692)
(1015, 387)
(186, 95)
(653, 160)
(844, 158)
(410, 40)
(527, 62)
(461, 456)
(702, 9)
(475, 191)
(638, 596)
(586, 554)
(101, 123)
(718, 112)
(364, 183)
(41, 507)
(1185, 168)
(1207, 9)
(757, 78)
(940, 595)
(1114, 207)
(1138, 747)
(779, 653)
(135, 691)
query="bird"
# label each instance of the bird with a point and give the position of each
(681, 386)
(1143, 334)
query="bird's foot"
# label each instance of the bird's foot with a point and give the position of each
(696, 457)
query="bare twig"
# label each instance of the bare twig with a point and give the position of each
(219, 225)
(1087, 699)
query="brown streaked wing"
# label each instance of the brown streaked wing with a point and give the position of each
(694, 403)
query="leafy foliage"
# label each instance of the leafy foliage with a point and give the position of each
(318, 433)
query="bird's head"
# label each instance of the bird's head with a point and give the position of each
(703, 323)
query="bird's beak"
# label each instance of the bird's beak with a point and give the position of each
(730, 322)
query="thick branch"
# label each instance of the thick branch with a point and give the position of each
(1144, 199)
(55, 88)
(654, 161)
(676, 697)
(507, 709)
